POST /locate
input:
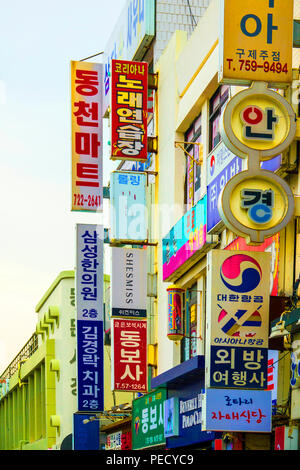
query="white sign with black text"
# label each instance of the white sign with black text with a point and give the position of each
(129, 283)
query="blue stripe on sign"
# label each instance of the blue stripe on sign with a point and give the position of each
(229, 325)
(252, 323)
(240, 313)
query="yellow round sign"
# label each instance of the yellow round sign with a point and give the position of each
(258, 203)
(258, 122)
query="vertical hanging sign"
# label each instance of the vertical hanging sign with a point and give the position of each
(128, 282)
(129, 355)
(89, 306)
(129, 98)
(128, 206)
(238, 286)
(87, 140)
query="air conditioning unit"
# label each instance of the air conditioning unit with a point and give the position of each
(286, 438)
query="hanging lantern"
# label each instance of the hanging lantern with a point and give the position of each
(175, 313)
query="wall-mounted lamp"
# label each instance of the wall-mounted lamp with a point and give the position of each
(279, 329)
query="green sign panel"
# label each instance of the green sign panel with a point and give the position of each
(148, 420)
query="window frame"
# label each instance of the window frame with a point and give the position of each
(214, 114)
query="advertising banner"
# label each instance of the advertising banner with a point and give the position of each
(270, 245)
(148, 420)
(186, 239)
(120, 440)
(129, 110)
(129, 355)
(251, 45)
(222, 164)
(129, 283)
(87, 136)
(89, 306)
(237, 410)
(238, 298)
(128, 214)
(238, 286)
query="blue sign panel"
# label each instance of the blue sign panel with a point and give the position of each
(85, 436)
(239, 367)
(133, 32)
(90, 355)
(190, 417)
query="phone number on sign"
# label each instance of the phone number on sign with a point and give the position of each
(253, 66)
(123, 386)
(91, 201)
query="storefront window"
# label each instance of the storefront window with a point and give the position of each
(189, 342)
(193, 171)
(216, 106)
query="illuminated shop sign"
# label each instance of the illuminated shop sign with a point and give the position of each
(129, 355)
(87, 142)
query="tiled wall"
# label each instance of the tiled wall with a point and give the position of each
(172, 15)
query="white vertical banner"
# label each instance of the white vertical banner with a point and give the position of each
(129, 283)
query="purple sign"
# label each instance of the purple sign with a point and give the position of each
(215, 188)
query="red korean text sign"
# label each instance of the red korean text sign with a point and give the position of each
(129, 365)
(87, 136)
(129, 97)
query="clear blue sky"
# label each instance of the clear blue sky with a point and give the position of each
(37, 238)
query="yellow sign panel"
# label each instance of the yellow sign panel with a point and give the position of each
(257, 41)
(258, 203)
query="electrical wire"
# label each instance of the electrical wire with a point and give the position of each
(191, 14)
(99, 53)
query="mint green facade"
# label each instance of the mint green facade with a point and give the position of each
(38, 394)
